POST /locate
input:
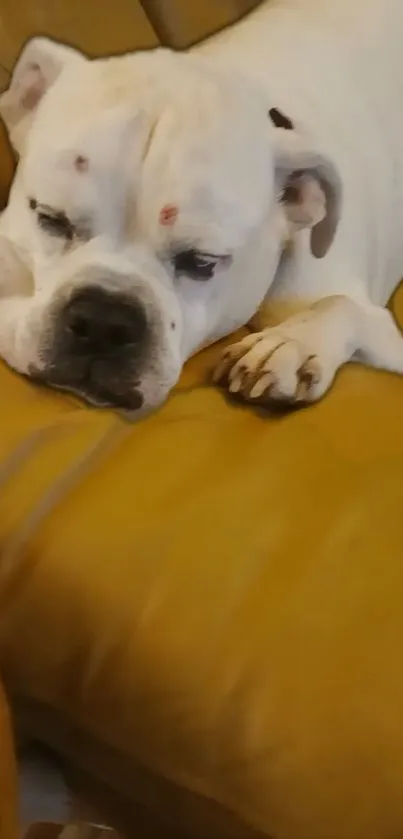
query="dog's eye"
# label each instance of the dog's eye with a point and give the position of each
(53, 222)
(56, 225)
(196, 265)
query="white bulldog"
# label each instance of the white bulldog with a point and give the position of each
(154, 197)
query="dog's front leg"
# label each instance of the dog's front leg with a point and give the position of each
(296, 361)
(17, 344)
(17, 309)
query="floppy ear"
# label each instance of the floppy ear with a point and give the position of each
(309, 187)
(40, 63)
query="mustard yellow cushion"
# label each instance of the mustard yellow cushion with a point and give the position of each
(216, 594)
(95, 26)
(180, 23)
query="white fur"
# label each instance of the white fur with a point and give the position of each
(192, 130)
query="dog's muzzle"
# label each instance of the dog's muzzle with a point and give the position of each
(98, 343)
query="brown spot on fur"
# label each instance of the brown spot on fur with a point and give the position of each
(280, 120)
(81, 163)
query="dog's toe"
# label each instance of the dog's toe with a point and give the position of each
(227, 367)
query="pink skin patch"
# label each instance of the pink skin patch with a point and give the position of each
(169, 214)
(33, 88)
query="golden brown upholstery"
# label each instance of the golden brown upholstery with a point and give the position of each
(97, 29)
(8, 780)
(181, 23)
(6, 159)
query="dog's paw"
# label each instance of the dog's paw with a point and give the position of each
(272, 366)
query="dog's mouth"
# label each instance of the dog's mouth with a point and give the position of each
(103, 398)
(121, 395)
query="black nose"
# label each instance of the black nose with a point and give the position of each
(100, 322)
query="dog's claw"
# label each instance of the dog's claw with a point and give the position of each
(262, 385)
(225, 370)
(235, 384)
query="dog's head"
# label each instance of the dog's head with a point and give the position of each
(149, 205)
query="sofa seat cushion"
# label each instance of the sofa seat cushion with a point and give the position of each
(216, 594)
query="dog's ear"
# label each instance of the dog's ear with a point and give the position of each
(40, 63)
(309, 187)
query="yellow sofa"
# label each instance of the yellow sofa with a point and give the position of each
(205, 610)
